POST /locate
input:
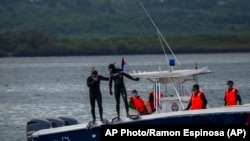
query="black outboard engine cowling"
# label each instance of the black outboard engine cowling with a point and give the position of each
(56, 122)
(51, 122)
(69, 120)
(36, 124)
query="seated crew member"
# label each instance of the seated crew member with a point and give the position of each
(152, 100)
(136, 102)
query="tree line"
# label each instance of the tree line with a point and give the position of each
(120, 18)
(34, 43)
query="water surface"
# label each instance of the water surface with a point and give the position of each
(36, 87)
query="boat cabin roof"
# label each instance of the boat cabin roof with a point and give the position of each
(170, 76)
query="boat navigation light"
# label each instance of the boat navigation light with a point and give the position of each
(171, 64)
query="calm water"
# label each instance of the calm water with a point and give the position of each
(56, 86)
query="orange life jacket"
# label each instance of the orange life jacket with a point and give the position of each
(196, 101)
(138, 103)
(231, 97)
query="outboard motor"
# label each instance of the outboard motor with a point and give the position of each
(56, 122)
(36, 124)
(51, 122)
(68, 120)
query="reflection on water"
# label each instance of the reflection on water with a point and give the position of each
(56, 86)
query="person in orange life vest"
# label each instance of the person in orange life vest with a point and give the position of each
(151, 100)
(231, 95)
(197, 100)
(136, 102)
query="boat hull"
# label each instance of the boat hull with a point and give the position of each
(238, 115)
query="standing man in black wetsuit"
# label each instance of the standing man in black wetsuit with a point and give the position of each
(119, 87)
(93, 82)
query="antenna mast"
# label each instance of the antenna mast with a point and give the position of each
(160, 35)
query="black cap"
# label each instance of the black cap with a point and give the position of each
(230, 82)
(134, 91)
(94, 72)
(111, 66)
(196, 86)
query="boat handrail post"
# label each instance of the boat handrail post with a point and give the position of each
(178, 95)
(157, 96)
